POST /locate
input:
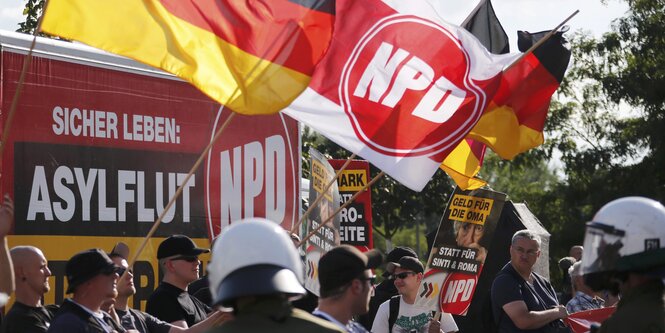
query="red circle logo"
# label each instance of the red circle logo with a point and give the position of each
(406, 88)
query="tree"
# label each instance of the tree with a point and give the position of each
(33, 10)
(394, 206)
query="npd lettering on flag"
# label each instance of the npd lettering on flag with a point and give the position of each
(399, 86)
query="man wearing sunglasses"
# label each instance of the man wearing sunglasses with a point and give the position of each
(170, 302)
(347, 283)
(92, 279)
(398, 314)
(143, 322)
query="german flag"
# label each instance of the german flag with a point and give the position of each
(463, 164)
(513, 122)
(252, 56)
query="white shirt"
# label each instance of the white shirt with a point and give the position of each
(4, 298)
(409, 318)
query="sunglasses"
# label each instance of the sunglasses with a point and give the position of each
(403, 275)
(122, 270)
(113, 270)
(371, 279)
(186, 258)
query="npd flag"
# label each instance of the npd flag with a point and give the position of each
(399, 86)
(254, 57)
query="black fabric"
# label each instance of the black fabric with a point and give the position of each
(85, 265)
(383, 292)
(393, 311)
(484, 24)
(201, 290)
(509, 286)
(22, 318)
(170, 303)
(71, 318)
(552, 54)
(307, 303)
(142, 322)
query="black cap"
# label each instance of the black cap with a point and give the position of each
(344, 263)
(410, 263)
(178, 245)
(85, 265)
(397, 253)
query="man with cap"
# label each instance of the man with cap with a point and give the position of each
(256, 270)
(347, 283)
(32, 274)
(92, 278)
(386, 289)
(407, 274)
(170, 302)
(143, 322)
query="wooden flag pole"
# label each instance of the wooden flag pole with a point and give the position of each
(290, 33)
(348, 202)
(19, 88)
(320, 197)
(542, 40)
(181, 187)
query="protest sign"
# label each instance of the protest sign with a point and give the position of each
(356, 219)
(321, 174)
(460, 250)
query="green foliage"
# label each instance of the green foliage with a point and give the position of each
(32, 11)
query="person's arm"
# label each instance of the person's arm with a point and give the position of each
(526, 320)
(380, 324)
(6, 266)
(216, 318)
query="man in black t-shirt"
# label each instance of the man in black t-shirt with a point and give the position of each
(31, 273)
(139, 320)
(170, 302)
(521, 299)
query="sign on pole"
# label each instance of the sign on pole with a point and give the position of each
(321, 174)
(460, 250)
(356, 219)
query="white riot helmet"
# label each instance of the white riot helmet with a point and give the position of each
(254, 257)
(626, 235)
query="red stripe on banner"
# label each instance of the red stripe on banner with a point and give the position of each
(256, 28)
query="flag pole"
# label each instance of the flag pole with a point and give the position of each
(21, 81)
(542, 40)
(320, 196)
(290, 34)
(348, 202)
(181, 187)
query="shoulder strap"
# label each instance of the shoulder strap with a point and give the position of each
(394, 310)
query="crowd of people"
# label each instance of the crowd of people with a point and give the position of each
(256, 273)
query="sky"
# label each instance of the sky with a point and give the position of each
(529, 15)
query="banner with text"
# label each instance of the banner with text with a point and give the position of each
(99, 144)
(321, 174)
(356, 219)
(460, 248)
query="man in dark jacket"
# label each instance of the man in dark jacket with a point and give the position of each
(92, 279)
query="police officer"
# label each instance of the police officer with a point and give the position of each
(255, 269)
(625, 252)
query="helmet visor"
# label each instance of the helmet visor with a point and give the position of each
(602, 244)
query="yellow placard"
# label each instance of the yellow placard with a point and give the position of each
(352, 180)
(465, 208)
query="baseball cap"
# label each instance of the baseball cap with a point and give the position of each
(178, 245)
(344, 263)
(397, 253)
(85, 265)
(410, 263)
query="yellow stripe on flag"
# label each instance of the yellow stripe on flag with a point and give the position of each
(462, 166)
(237, 79)
(500, 130)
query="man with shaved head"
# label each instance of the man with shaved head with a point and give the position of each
(31, 275)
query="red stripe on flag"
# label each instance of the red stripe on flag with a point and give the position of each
(255, 29)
